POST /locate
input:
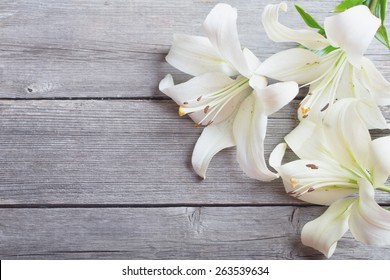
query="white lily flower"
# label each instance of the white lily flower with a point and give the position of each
(225, 95)
(369, 223)
(342, 73)
(338, 159)
(334, 153)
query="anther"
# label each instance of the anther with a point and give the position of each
(199, 98)
(196, 125)
(311, 189)
(304, 110)
(325, 107)
(294, 182)
(206, 109)
(181, 111)
(312, 166)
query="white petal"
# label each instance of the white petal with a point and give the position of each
(347, 136)
(276, 156)
(351, 85)
(166, 83)
(371, 114)
(195, 87)
(316, 181)
(221, 29)
(299, 65)
(276, 96)
(280, 33)
(378, 86)
(306, 140)
(369, 223)
(249, 130)
(251, 60)
(258, 82)
(346, 87)
(195, 55)
(380, 152)
(323, 233)
(353, 31)
(213, 139)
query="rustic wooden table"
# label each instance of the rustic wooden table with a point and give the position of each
(94, 160)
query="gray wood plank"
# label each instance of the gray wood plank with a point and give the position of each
(167, 233)
(115, 152)
(116, 48)
(136, 152)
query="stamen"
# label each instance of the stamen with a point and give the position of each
(311, 189)
(185, 103)
(312, 166)
(305, 116)
(210, 122)
(294, 182)
(304, 110)
(325, 107)
(181, 111)
(292, 192)
(214, 102)
(196, 125)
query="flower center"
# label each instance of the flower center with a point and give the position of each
(326, 178)
(324, 90)
(217, 105)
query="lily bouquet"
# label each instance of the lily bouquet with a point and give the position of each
(339, 164)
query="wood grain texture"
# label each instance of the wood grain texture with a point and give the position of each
(116, 152)
(109, 152)
(116, 48)
(109, 176)
(166, 233)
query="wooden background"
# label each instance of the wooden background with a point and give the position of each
(94, 160)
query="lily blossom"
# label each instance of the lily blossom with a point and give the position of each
(225, 95)
(339, 159)
(368, 222)
(342, 73)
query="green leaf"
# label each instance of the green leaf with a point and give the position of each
(325, 50)
(309, 20)
(383, 5)
(381, 36)
(347, 4)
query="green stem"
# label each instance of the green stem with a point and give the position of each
(384, 188)
(373, 5)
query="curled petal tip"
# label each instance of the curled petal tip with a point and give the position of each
(166, 83)
(278, 32)
(283, 6)
(198, 170)
(276, 157)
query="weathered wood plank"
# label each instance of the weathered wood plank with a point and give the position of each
(166, 233)
(116, 48)
(109, 152)
(115, 152)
